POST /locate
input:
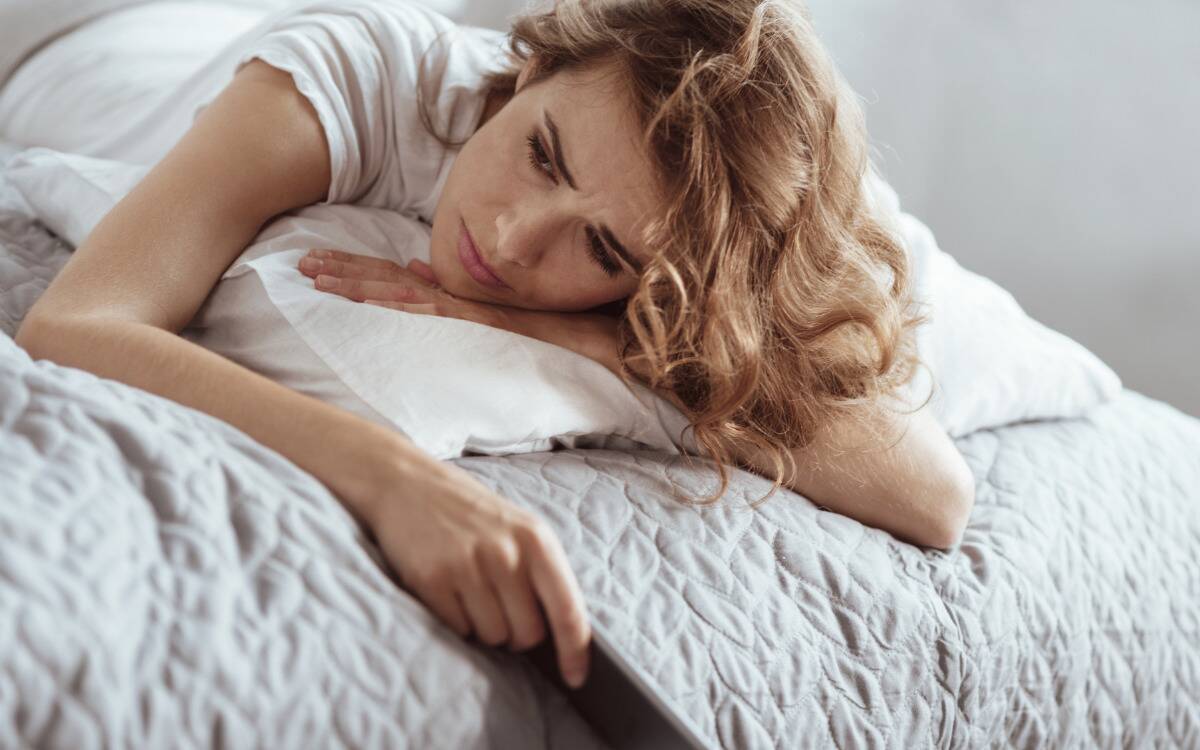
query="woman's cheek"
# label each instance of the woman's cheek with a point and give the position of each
(585, 298)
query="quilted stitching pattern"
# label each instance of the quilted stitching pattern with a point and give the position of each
(165, 581)
(163, 575)
(1067, 617)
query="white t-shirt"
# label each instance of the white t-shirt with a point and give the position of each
(128, 85)
(359, 62)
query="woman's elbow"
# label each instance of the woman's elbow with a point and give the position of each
(28, 337)
(958, 491)
(55, 337)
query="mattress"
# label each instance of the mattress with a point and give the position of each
(164, 576)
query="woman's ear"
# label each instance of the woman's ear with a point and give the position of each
(528, 70)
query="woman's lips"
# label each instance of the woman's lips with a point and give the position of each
(469, 256)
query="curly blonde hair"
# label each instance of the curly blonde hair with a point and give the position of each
(776, 300)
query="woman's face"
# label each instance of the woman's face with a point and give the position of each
(551, 194)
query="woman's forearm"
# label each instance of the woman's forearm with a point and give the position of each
(347, 453)
(464, 551)
(897, 472)
(900, 473)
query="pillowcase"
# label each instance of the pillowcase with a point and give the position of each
(990, 363)
(26, 26)
(69, 193)
(84, 76)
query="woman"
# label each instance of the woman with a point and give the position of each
(671, 188)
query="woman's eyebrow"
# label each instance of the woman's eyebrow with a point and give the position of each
(556, 150)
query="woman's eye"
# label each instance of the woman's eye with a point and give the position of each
(603, 259)
(539, 158)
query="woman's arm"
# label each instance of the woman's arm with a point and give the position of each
(894, 471)
(479, 562)
(256, 151)
(898, 472)
(146, 268)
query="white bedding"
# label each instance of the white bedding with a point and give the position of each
(114, 78)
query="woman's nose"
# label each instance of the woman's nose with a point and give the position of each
(523, 234)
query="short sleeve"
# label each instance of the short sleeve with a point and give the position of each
(360, 62)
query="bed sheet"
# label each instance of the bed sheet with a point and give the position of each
(171, 545)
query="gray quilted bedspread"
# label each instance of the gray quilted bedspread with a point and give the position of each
(166, 581)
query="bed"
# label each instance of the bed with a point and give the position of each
(166, 580)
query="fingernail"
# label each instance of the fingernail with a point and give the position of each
(311, 264)
(326, 282)
(319, 253)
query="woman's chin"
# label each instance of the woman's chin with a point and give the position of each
(448, 276)
(464, 287)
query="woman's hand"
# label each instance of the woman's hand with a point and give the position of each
(480, 563)
(415, 289)
(381, 282)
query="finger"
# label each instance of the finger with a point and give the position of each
(422, 269)
(556, 587)
(313, 267)
(444, 603)
(484, 611)
(526, 627)
(356, 258)
(361, 290)
(427, 309)
(348, 265)
(316, 267)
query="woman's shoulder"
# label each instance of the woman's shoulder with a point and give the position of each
(376, 71)
(398, 27)
(400, 47)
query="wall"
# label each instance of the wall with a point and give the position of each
(1053, 148)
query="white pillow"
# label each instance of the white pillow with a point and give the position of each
(69, 193)
(25, 25)
(92, 71)
(993, 365)
(452, 386)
